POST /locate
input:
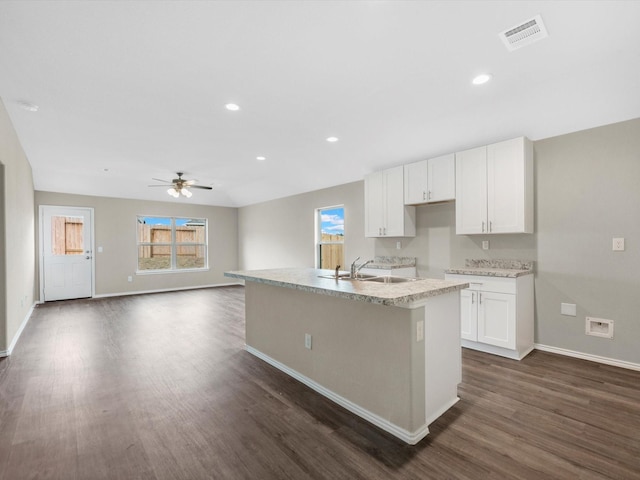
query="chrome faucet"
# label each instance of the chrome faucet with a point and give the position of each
(356, 268)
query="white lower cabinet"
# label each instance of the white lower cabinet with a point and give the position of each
(496, 314)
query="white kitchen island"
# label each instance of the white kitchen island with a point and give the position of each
(389, 353)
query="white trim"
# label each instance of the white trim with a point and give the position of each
(494, 350)
(588, 356)
(6, 353)
(409, 437)
(163, 290)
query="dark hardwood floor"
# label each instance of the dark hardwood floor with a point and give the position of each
(159, 387)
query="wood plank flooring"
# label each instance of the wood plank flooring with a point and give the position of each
(159, 387)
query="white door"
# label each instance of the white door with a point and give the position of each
(468, 315)
(66, 252)
(415, 183)
(394, 202)
(497, 319)
(471, 191)
(441, 178)
(505, 186)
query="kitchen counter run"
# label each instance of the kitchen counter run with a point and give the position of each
(494, 268)
(308, 280)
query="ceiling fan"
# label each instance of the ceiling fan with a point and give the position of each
(180, 186)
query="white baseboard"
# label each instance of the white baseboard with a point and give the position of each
(163, 290)
(588, 356)
(409, 437)
(6, 353)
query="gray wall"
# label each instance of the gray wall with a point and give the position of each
(17, 250)
(281, 233)
(115, 231)
(587, 192)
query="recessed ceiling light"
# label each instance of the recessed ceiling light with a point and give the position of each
(28, 106)
(261, 158)
(232, 106)
(482, 78)
(332, 139)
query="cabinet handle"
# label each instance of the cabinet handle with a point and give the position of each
(379, 230)
(473, 298)
(490, 226)
(429, 195)
(423, 195)
(480, 298)
(483, 226)
(384, 230)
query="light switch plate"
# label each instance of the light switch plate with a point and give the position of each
(568, 309)
(618, 244)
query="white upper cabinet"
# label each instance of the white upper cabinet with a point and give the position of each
(494, 188)
(385, 212)
(430, 180)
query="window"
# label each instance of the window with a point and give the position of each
(66, 235)
(171, 244)
(330, 237)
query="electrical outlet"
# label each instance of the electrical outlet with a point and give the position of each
(129, 278)
(485, 244)
(420, 330)
(618, 244)
(398, 245)
(307, 341)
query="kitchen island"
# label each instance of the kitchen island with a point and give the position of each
(388, 352)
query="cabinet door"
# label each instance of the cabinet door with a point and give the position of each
(497, 319)
(468, 315)
(441, 178)
(373, 204)
(394, 209)
(471, 191)
(506, 186)
(415, 183)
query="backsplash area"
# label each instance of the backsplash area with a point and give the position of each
(437, 248)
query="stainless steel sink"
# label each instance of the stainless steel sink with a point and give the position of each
(390, 279)
(346, 276)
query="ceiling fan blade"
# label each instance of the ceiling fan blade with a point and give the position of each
(165, 186)
(201, 186)
(189, 182)
(160, 180)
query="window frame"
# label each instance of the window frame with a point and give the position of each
(318, 234)
(173, 245)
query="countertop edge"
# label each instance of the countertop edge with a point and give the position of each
(401, 300)
(489, 272)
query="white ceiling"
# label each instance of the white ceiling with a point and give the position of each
(130, 90)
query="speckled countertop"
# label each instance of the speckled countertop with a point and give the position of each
(392, 262)
(494, 268)
(308, 280)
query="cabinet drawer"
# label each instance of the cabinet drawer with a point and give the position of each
(485, 283)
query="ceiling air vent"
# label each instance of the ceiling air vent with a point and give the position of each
(524, 34)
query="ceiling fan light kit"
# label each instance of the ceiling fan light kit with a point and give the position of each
(180, 186)
(174, 192)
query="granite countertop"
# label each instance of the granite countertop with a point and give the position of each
(308, 280)
(494, 268)
(392, 262)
